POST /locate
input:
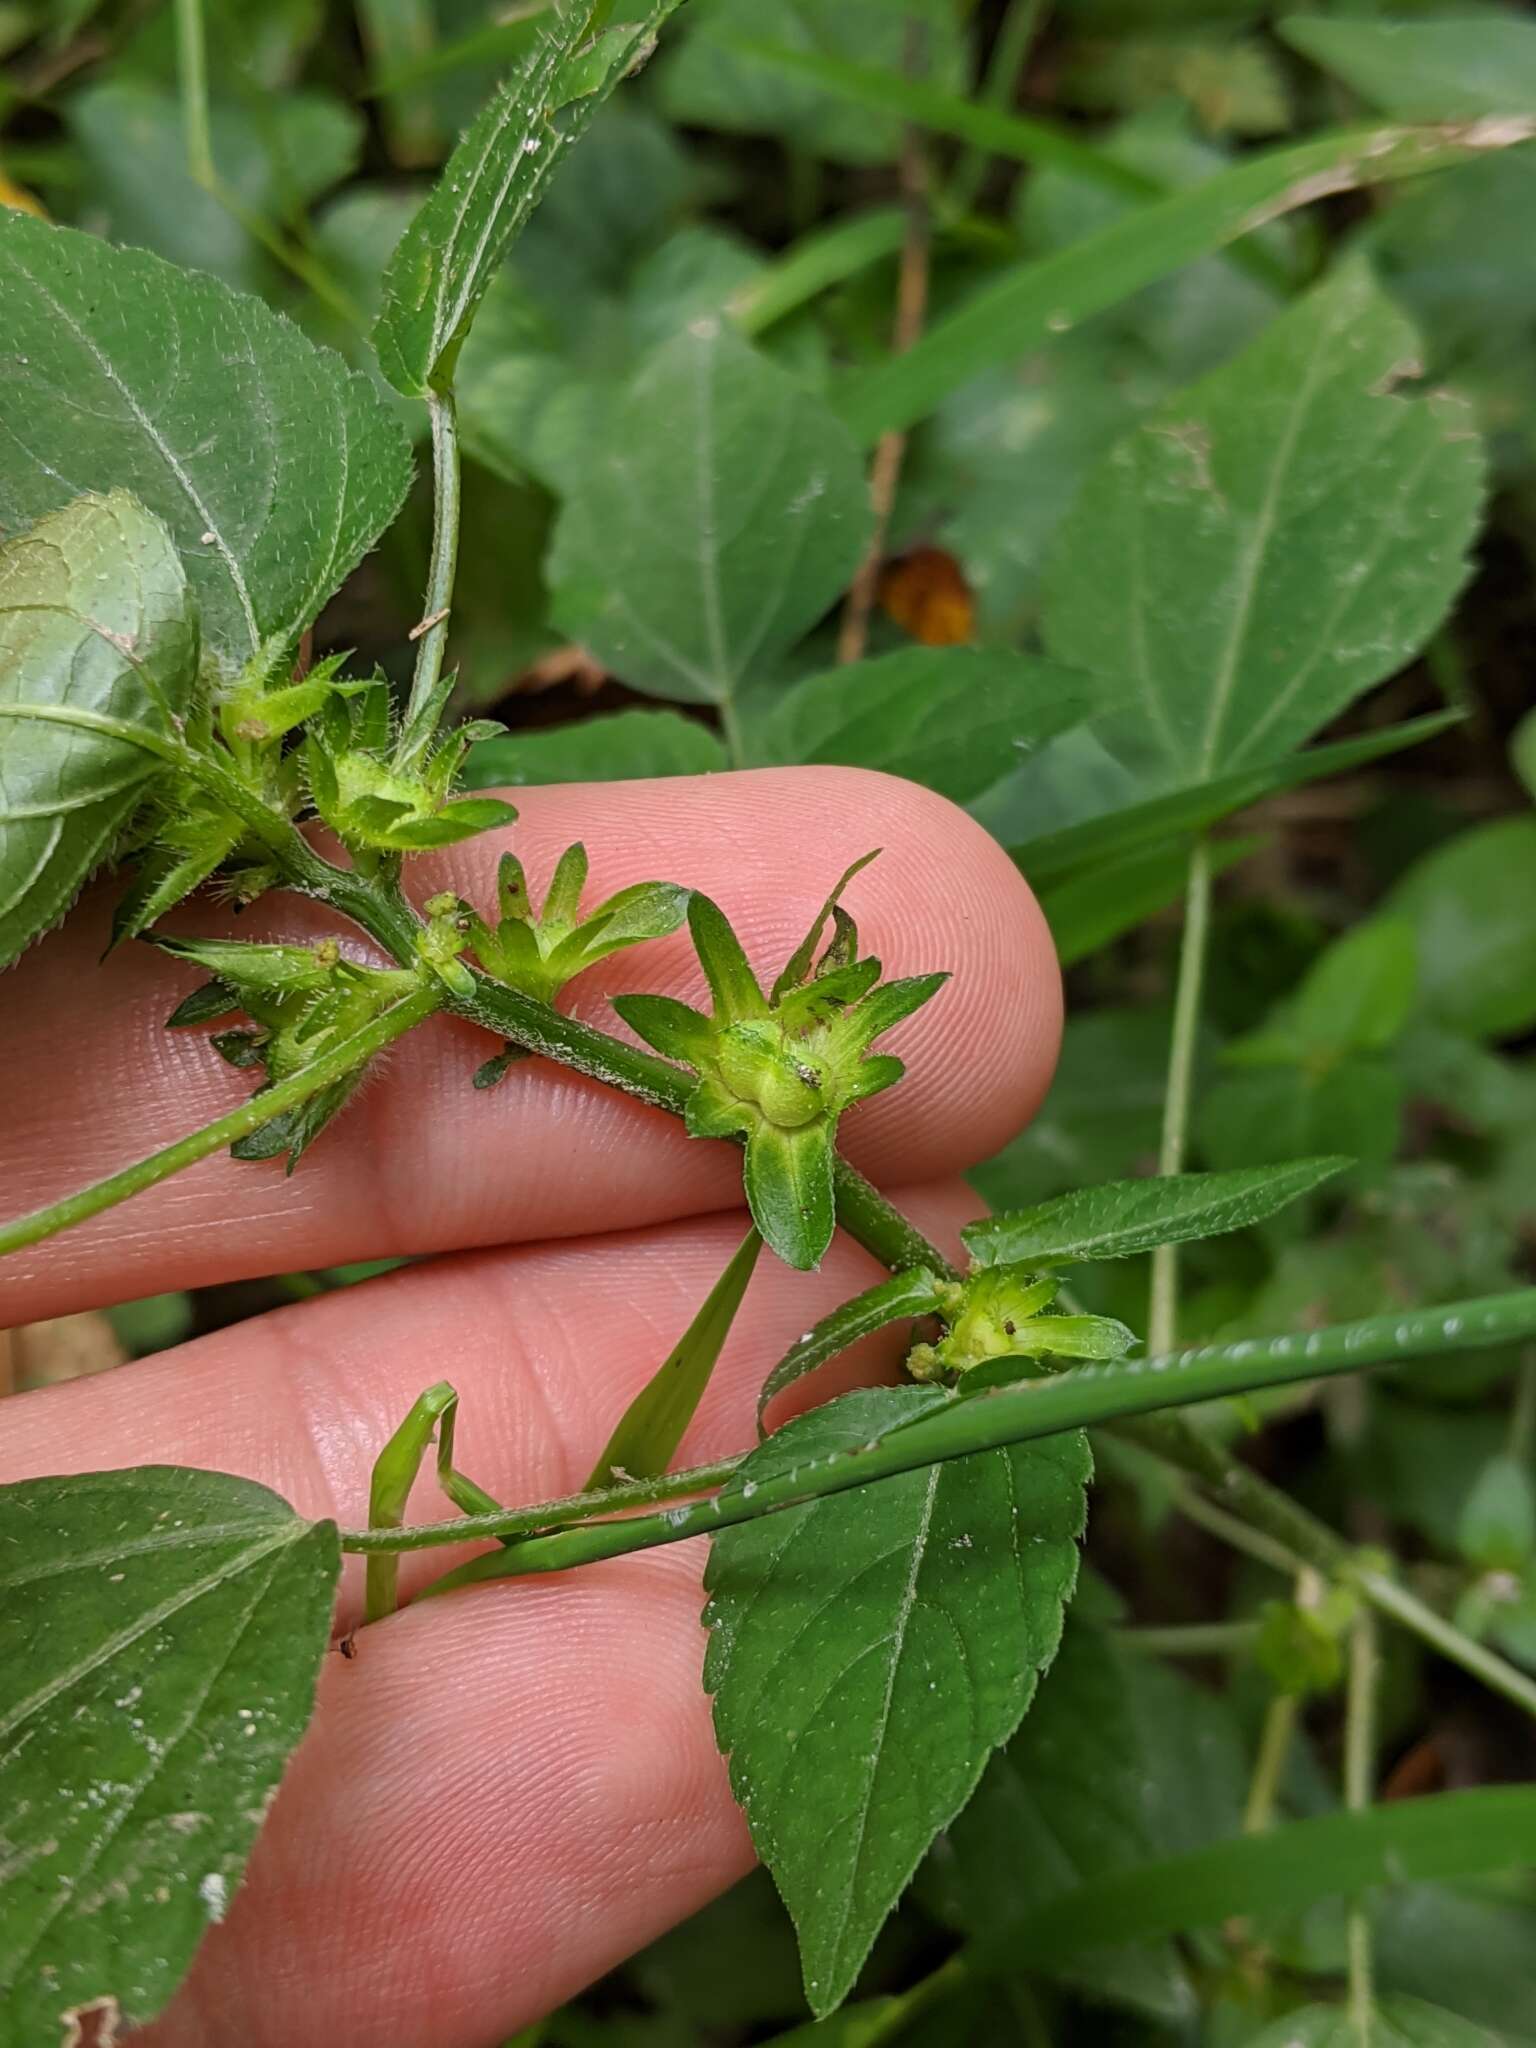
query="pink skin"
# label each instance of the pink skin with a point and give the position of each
(507, 1791)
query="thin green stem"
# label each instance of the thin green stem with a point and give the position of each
(422, 709)
(1388, 1597)
(342, 1060)
(1020, 25)
(1087, 1396)
(192, 73)
(1237, 1535)
(541, 1516)
(1269, 1765)
(1163, 1312)
(731, 732)
(1191, 1639)
(1359, 1788)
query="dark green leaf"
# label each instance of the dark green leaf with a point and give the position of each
(1131, 1216)
(490, 185)
(720, 513)
(869, 1651)
(951, 717)
(1472, 904)
(1394, 2023)
(619, 747)
(1269, 544)
(1446, 70)
(94, 618)
(788, 1183)
(904, 1295)
(651, 1427)
(273, 466)
(161, 1632)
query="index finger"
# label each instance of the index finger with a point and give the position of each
(421, 1162)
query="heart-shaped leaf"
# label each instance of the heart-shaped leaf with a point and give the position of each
(273, 466)
(95, 620)
(161, 1632)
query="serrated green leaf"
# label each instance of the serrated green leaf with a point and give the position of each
(1271, 543)
(1394, 2023)
(903, 1295)
(453, 248)
(651, 1427)
(1446, 70)
(274, 468)
(1131, 1216)
(954, 718)
(95, 618)
(161, 1632)
(869, 1651)
(787, 1177)
(618, 747)
(1472, 905)
(717, 516)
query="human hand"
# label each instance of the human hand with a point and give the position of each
(504, 1793)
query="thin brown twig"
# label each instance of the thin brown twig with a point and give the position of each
(911, 310)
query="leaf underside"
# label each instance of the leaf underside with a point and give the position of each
(94, 618)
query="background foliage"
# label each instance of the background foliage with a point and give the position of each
(1220, 406)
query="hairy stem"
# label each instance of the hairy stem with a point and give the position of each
(1190, 1639)
(1269, 1766)
(1084, 1397)
(1163, 1310)
(420, 711)
(342, 1060)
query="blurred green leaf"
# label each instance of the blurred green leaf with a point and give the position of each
(1033, 301)
(160, 1637)
(273, 155)
(1454, 69)
(1090, 909)
(274, 469)
(95, 619)
(1270, 543)
(1119, 1761)
(1395, 2023)
(949, 717)
(1471, 1947)
(620, 746)
(719, 513)
(711, 83)
(1472, 904)
(1497, 1531)
(910, 1621)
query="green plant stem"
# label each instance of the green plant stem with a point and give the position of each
(1163, 1312)
(342, 1060)
(1359, 1782)
(1191, 1639)
(1087, 1396)
(433, 629)
(542, 1516)
(1272, 1522)
(1269, 1766)
(1021, 23)
(1227, 1528)
(192, 73)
